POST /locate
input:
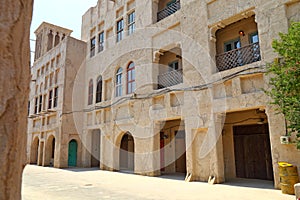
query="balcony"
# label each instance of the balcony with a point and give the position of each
(238, 57)
(169, 79)
(168, 10)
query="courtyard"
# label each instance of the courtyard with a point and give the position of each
(78, 183)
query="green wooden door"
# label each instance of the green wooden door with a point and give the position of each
(72, 158)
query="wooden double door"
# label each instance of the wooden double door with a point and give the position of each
(253, 152)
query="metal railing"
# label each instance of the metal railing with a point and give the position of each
(238, 57)
(171, 78)
(169, 10)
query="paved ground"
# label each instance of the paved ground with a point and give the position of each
(84, 184)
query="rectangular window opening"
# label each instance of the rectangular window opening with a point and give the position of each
(131, 23)
(93, 46)
(50, 100)
(55, 100)
(101, 41)
(120, 30)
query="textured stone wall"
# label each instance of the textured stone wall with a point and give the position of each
(15, 19)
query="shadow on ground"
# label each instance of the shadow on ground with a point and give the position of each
(237, 182)
(81, 169)
(250, 183)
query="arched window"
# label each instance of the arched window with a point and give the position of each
(99, 90)
(90, 95)
(130, 78)
(56, 39)
(119, 82)
(50, 40)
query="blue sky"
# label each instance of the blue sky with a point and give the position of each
(65, 13)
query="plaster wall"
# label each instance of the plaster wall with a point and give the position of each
(57, 68)
(201, 101)
(199, 41)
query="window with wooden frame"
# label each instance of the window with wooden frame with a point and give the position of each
(50, 99)
(119, 82)
(174, 66)
(99, 90)
(131, 23)
(232, 44)
(93, 46)
(35, 105)
(120, 29)
(90, 92)
(55, 100)
(101, 41)
(40, 103)
(131, 78)
(253, 37)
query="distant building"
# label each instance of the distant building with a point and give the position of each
(50, 127)
(175, 87)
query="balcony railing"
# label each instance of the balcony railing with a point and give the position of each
(171, 78)
(238, 57)
(169, 10)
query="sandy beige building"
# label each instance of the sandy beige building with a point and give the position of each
(176, 87)
(50, 126)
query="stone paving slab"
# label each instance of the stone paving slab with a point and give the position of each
(88, 184)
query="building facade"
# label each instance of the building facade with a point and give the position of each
(176, 87)
(51, 129)
(179, 86)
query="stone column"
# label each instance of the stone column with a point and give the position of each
(190, 155)
(86, 148)
(217, 161)
(147, 151)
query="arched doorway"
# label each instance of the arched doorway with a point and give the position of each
(72, 155)
(50, 151)
(127, 152)
(34, 152)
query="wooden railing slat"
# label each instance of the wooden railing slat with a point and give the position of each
(238, 57)
(169, 10)
(171, 78)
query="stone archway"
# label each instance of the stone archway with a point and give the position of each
(34, 150)
(126, 156)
